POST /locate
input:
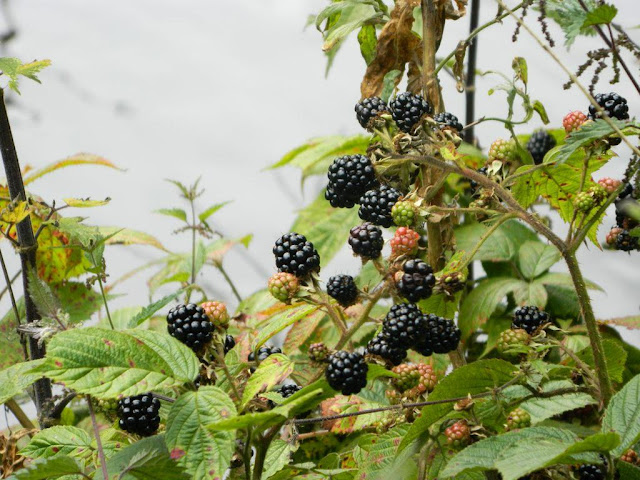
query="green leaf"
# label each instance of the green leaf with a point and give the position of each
(614, 353)
(148, 311)
(535, 258)
(378, 457)
(623, 415)
(564, 280)
(538, 107)
(47, 468)
(13, 67)
(79, 301)
(478, 377)
(353, 15)
(326, 227)
(281, 320)
(543, 408)
(483, 300)
(389, 82)
(44, 299)
(204, 216)
(632, 321)
(86, 202)
(600, 442)
(204, 454)
(570, 16)
(144, 460)
(368, 42)
(498, 247)
(9, 340)
(441, 305)
(601, 15)
(533, 293)
(125, 236)
(271, 371)
(77, 159)
(178, 213)
(278, 455)
(56, 441)
(110, 364)
(520, 69)
(15, 379)
(628, 471)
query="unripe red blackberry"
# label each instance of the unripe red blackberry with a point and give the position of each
(573, 121)
(318, 352)
(583, 202)
(414, 380)
(376, 205)
(405, 324)
(350, 177)
(502, 150)
(385, 347)
(217, 313)
(449, 120)
(404, 213)
(517, 419)
(368, 109)
(630, 456)
(404, 242)
(294, 254)
(343, 289)
(626, 242)
(458, 435)
(442, 336)
(539, 144)
(417, 280)
(609, 184)
(366, 241)
(139, 414)
(613, 104)
(191, 325)
(347, 372)
(529, 318)
(612, 236)
(283, 286)
(511, 339)
(407, 109)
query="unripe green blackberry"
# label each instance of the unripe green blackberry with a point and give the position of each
(609, 184)
(404, 213)
(458, 435)
(283, 286)
(511, 339)
(598, 193)
(318, 352)
(404, 242)
(502, 150)
(583, 202)
(413, 380)
(217, 313)
(517, 419)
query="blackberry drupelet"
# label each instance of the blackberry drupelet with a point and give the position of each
(539, 144)
(190, 324)
(366, 240)
(229, 343)
(405, 324)
(369, 108)
(385, 347)
(376, 205)
(448, 120)
(417, 281)
(343, 289)
(139, 414)
(294, 254)
(347, 372)
(441, 336)
(627, 243)
(407, 109)
(612, 103)
(591, 472)
(529, 318)
(350, 177)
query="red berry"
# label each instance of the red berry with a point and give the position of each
(404, 242)
(613, 235)
(630, 456)
(609, 184)
(283, 286)
(458, 434)
(573, 121)
(217, 313)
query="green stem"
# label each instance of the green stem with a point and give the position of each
(104, 296)
(193, 242)
(14, 305)
(362, 319)
(96, 432)
(229, 281)
(606, 391)
(331, 311)
(223, 364)
(22, 417)
(485, 236)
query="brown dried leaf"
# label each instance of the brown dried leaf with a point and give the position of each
(458, 66)
(455, 12)
(10, 460)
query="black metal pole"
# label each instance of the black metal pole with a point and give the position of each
(472, 54)
(27, 248)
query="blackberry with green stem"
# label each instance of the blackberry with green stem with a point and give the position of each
(350, 177)
(446, 119)
(347, 372)
(366, 241)
(376, 205)
(296, 255)
(407, 109)
(539, 144)
(191, 325)
(139, 414)
(368, 109)
(343, 289)
(529, 318)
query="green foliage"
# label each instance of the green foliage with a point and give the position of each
(15, 379)
(58, 440)
(46, 468)
(623, 415)
(14, 68)
(144, 460)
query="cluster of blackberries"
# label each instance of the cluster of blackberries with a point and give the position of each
(368, 109)
(376, 205)
(407, 109)
(139, 414)
(539, 144)
(366, 241)
(417, 280)
(343, 289)
(613, 104)
(347, 372)
(190, 324)
(624, 240)
(406, 327)
(350, 177)
(529, 318)
(296, 255)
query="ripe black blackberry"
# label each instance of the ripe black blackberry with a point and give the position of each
(623, 220)
(407, 109)
(529, 318)
(448, 120)
(539, 144)
(343, 288)
(442, 336)
(473, 185)
(295, 255)
(190, 324)
(627, 243)
(376, 205)
(229, 343)
(417, 281)
(612, 103)
(385, 347)
(139, 414)
(591, 472)
(405, 324)
(369, 108)
(366, 240)
(626, 191)
(347, 372)
(288, 389)
(263, 352)
(350, 177)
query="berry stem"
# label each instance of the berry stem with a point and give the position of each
(331, 311)
(229, 281)
(363, 317)
(14, 305)
(96, 433)
(595, 339)
(470, 81)
(104, 296)
(22, 417)
(225, 368)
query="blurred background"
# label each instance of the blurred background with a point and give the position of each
(178, 90)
